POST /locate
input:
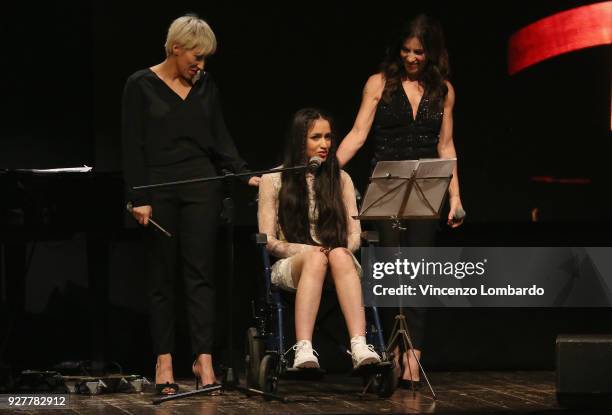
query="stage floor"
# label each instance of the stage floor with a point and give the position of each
(457, 392)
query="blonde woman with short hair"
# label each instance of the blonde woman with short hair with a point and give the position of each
(173, 129)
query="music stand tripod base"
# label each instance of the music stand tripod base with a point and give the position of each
(400, 333)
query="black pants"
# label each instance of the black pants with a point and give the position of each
(417, 233)
(190, 213)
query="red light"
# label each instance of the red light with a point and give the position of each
(564, 32)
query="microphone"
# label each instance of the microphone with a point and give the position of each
(197, 76)
(130, 208)
(314, 163)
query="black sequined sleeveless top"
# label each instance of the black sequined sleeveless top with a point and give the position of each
(397, 136)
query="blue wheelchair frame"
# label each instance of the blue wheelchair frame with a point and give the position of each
(271, 338)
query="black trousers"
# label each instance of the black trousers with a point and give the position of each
(417, 233)
(190, 213)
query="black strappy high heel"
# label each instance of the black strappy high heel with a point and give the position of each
(407, 383)
(197, 381)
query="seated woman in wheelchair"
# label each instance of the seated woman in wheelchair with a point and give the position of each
(307, 217)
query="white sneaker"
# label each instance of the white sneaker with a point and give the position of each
(305, 356)
(363, 354)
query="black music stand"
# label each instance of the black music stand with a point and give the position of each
(407, 189)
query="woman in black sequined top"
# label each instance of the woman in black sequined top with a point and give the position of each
(407, 109)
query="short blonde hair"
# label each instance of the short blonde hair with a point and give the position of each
(190, 32)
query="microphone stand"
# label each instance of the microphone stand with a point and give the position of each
(225, 177)
(230, 381)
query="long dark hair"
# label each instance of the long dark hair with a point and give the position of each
(436, 69)
(293, 218)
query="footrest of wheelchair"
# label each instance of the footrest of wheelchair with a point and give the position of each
(369, 370)
(304, 374)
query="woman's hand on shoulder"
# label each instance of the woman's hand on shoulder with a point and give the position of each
(255, 181)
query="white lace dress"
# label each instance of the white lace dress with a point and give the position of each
(278, 246)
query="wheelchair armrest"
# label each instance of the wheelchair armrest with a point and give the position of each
(371, 237)
(260, 238)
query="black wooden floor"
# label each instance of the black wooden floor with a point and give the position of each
(460, 392)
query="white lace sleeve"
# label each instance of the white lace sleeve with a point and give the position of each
(267, 217)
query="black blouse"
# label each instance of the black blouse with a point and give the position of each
(160, 128)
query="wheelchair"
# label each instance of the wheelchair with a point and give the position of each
(266, 350)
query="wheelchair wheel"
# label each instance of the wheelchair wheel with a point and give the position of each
(268, 374)
(383, 383)
(254, 349)
(373, 386)
(387, 382)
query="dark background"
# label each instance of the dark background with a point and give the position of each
(62, 78)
